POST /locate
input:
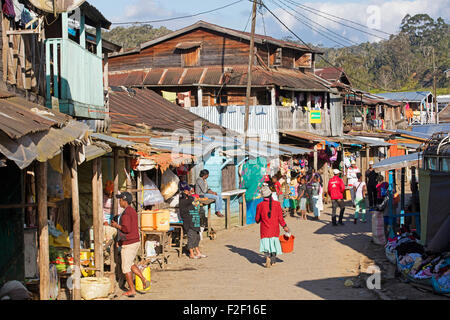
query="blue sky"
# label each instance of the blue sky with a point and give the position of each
(384, 15)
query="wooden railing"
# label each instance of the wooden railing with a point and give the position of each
(75, 78)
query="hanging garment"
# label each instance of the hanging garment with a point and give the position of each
(9, 9)
(171, 96)
(184, 99)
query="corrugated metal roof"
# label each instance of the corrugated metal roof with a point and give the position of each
(96, 150)
(373, 142)
(215, 75)
(19, 117)
(144, 106)
(112, 140)
(398, 162)
(411, 96)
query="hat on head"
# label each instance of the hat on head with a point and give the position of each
(265, 192)
(126, 196)
(371, 162)
(336, 171)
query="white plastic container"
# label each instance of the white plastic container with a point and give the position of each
(95, 288)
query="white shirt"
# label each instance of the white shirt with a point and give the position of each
(359, 189)
(351, 175)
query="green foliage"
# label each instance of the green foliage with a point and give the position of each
(133, 36)
(402, 63)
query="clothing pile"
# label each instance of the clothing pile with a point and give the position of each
(417, 265)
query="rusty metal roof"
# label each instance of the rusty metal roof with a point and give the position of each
(216, 76)
(19, 117)
(146, 108)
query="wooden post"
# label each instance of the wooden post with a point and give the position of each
(251, 56)
(139, 191)
(315, 157)
(273, 97)
(199, 97)
(100, 217)
(116, 181)
(76, 225)
(44, 260)
(367, 158)
(98, 253)
(244, 210)
(82, 30)
(128, 171)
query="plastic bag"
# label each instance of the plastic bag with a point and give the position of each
(150, 248)
(169, 184)
(152, 195)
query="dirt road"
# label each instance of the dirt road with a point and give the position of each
(324, 257)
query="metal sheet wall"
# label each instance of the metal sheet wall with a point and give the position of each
(263, 120)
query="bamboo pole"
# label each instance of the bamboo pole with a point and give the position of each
(95, 213)
(76, 224)
(116, 182)
(100, 218)
(44, 263)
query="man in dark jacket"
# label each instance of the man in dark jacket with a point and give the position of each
(129, 242)
(371, 181)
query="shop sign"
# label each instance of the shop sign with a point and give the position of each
(315, 116)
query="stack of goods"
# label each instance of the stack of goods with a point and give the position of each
(417, 265)
(62, 260)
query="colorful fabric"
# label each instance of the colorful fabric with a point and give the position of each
(270, 245)
(269, 227)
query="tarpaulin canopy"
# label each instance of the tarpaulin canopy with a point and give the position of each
(398, 162)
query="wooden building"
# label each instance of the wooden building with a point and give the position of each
(205, 65)
(54, 61)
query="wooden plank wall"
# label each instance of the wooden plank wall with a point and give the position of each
(22, 60)
(216, 49)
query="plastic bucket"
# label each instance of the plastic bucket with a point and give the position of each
(287, 245)
(147, 275)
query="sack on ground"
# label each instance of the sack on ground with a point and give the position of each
(378, 228)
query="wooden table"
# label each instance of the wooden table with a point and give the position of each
(178, 225)
(207, 202)
(163, 242)
(242, 205)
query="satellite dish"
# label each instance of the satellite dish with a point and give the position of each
(57, 6)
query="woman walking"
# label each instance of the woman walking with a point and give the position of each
(270, 216)
(315, 196)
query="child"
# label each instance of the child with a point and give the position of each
(191, 222)
(277, 188)
(359, 188)
(302, 198)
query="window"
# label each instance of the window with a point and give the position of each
(430, 163)
(445, 164)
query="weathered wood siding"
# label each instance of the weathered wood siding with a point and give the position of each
(216, 49)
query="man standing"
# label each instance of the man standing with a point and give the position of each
(336, 188)
(129, 242)
(371, 181)
(201, 188)
(352, 179)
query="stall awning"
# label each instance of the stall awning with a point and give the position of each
(115, 142)
(96, 150)
(398, 162)
(372, 142)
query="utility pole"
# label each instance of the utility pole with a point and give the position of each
(251, 56)
(436, 109)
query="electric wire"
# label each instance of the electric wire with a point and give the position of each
(322, 26)
(344, 19)
(324, 59)
(181, 17)
(311, 27)
(341, 23)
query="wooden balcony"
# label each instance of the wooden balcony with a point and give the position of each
(74, 78)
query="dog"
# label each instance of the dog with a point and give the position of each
(212, 234)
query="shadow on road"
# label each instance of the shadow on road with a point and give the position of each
(334, 289)
(251, 256)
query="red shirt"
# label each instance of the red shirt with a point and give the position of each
(336, 188)
(278, 187)
(269, 228)
(129, 224)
